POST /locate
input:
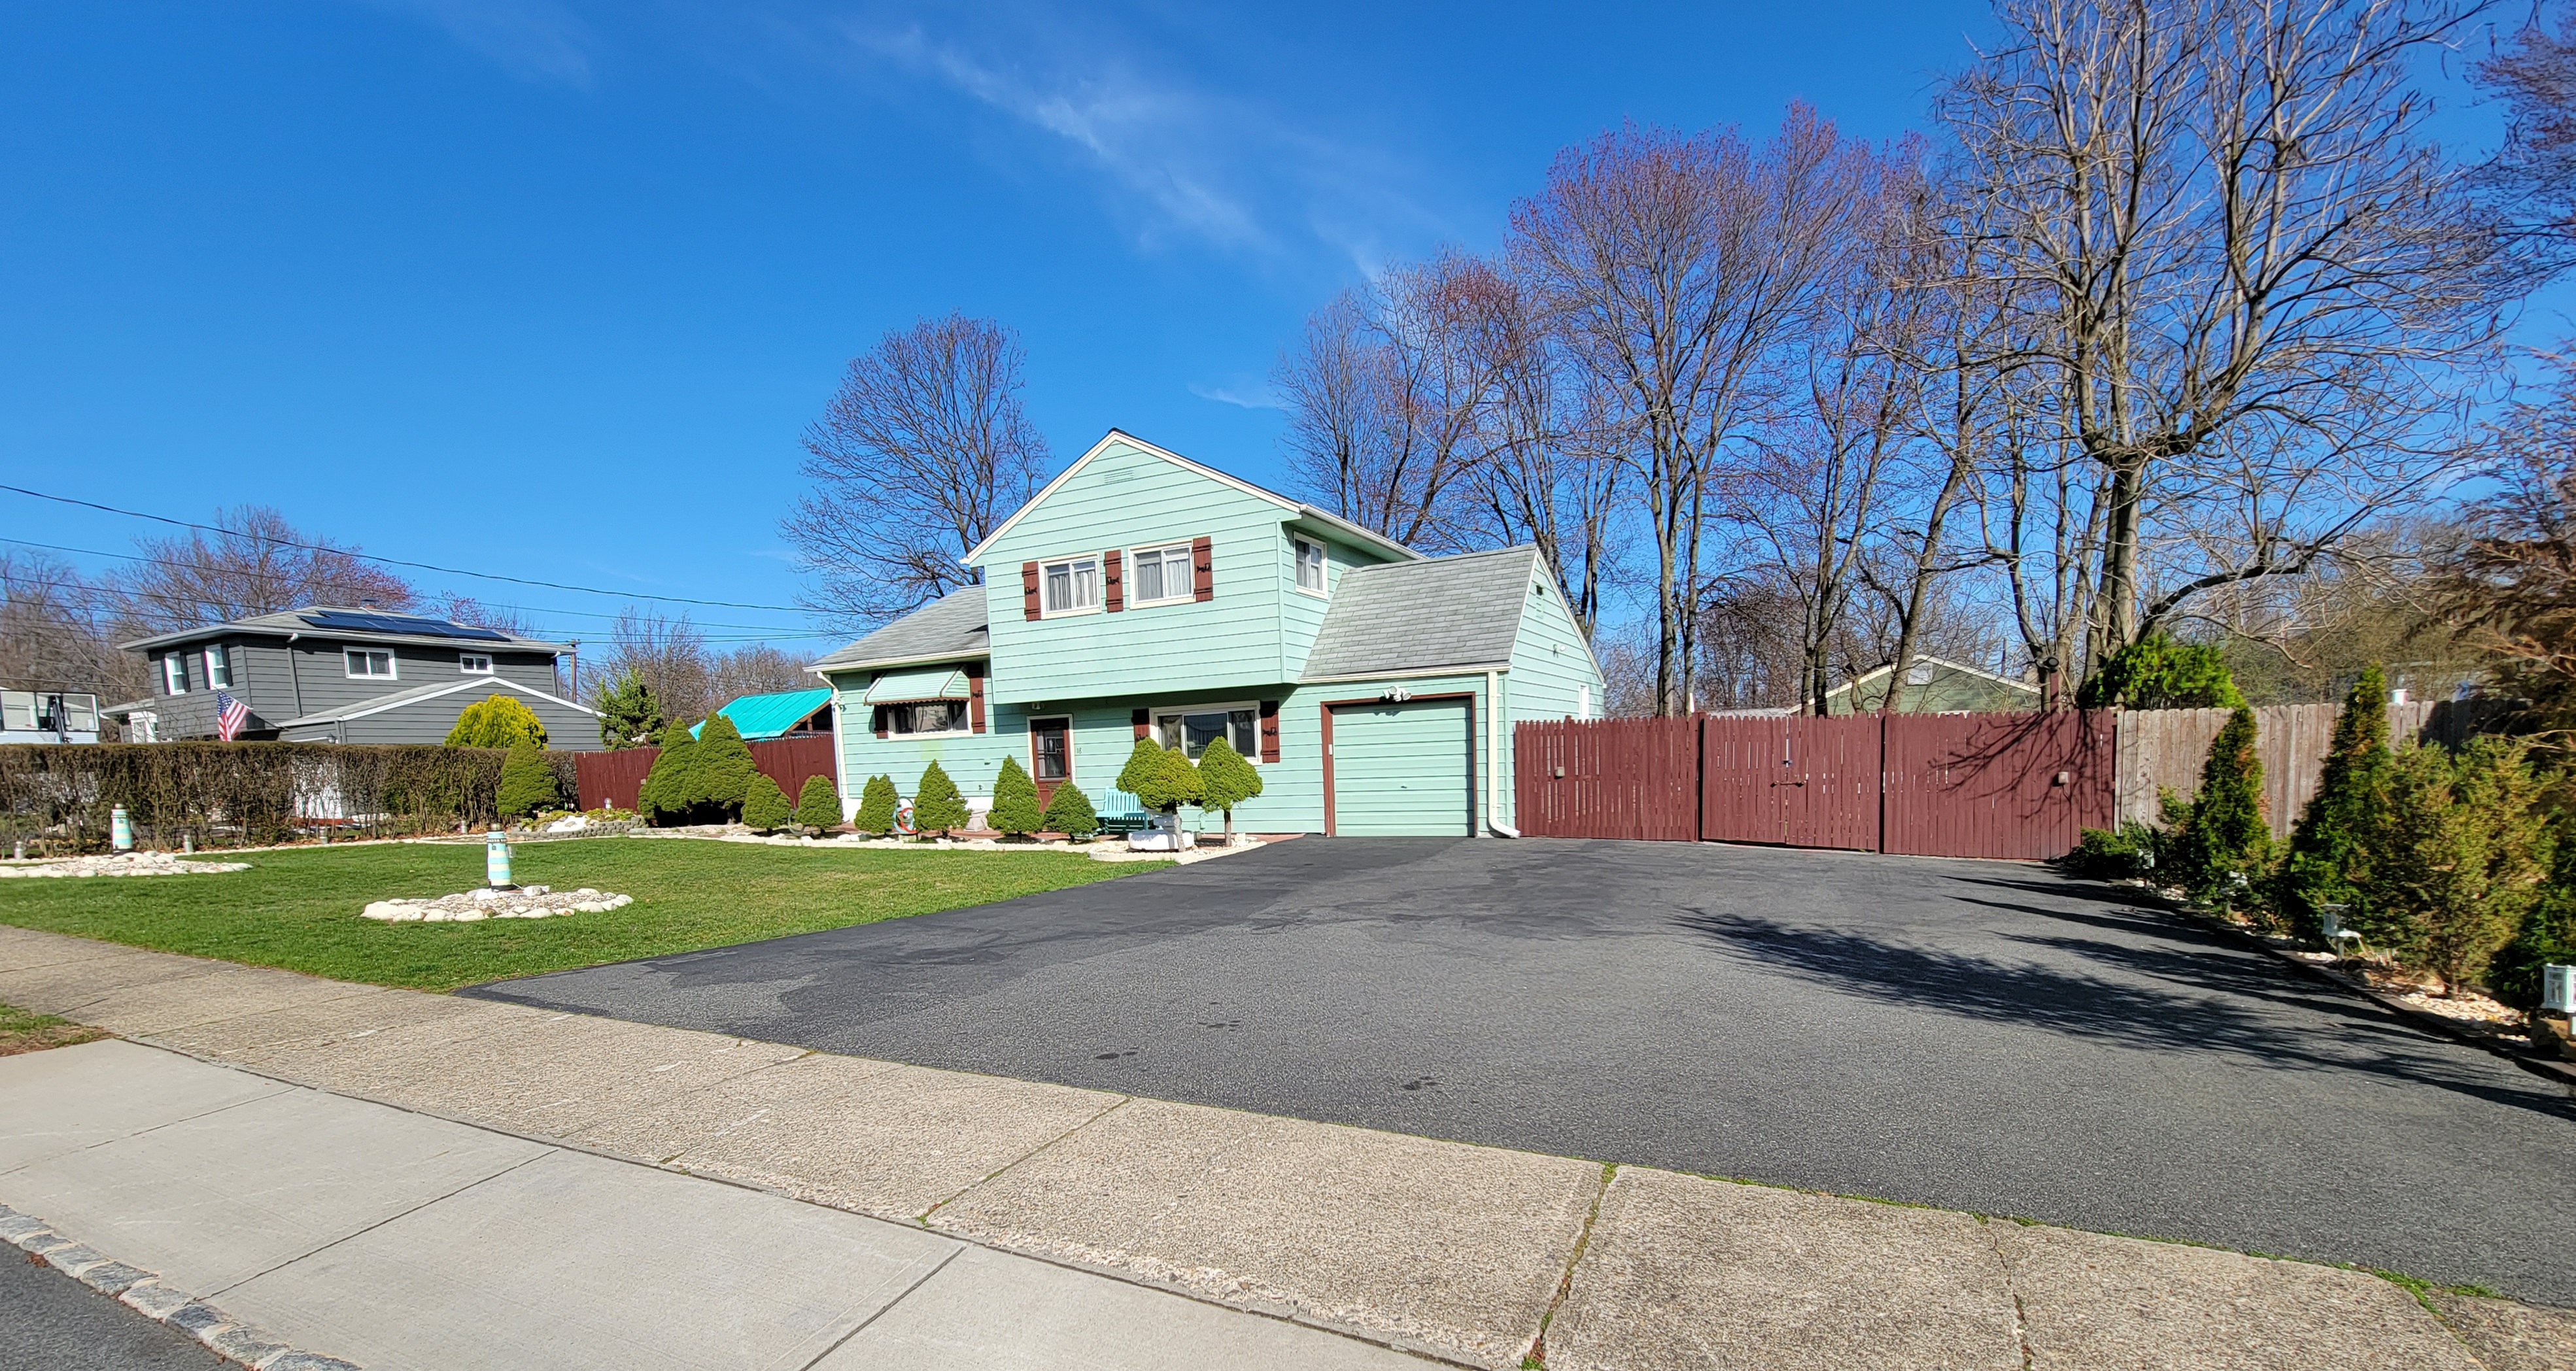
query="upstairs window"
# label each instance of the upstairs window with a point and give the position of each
(369, 664)
(174, 674)
(1310, 567)
(474, 663)
(1161, 574)
(219, 668)
(1069, 587)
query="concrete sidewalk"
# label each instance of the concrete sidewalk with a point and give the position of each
(496, 1215)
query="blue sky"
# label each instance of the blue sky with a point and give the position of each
(550, 289)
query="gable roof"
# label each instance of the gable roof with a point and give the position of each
(1944, 663)
(1440, 612)
(300, 622)
(1300, 509)
(378, 704)
(769, 716)
(946, 629)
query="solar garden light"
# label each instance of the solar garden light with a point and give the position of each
(2330, 918)
(120, 830)
(496, 860)
(2558, 990)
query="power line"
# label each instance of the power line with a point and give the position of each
(396, 561)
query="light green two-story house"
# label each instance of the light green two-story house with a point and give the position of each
(1143, 594)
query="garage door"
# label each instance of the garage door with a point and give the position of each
(1404, 770)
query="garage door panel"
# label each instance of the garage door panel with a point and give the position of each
(1403, 770)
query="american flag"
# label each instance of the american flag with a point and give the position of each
(230, 715)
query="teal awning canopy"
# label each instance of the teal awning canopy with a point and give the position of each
(908, 687)
(757, 717)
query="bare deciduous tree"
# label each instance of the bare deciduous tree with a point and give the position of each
(923, 452)
(257, 563)
(53, 635)
(2536, 169)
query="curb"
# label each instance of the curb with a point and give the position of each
(143, 1292)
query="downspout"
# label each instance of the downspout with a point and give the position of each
(1494, 756)
(840, 749)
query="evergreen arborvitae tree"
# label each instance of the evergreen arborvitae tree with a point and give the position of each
(496, 721)
(819, 804)
(766, 808)
(629, 716)
(2330, 851)
(2548, 931)
(1226, 780)
(2156, 672)
(664, 797)
(1068, 811)
(2223, 834)
(877, 802)
(1015, 801)
(936, 805)
(528, 783)
(2462, 859)
(721, 771)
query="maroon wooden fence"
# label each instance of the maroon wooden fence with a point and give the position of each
(1951, 785)
(613, 778)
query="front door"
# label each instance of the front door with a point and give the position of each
(1050, 755)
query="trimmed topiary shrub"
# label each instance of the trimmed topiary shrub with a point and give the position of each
(664, 797)
(2330, 851)
(1015, 801)
(2221, 844)
(1161, 778)
(722, 770)
(877, 802)
(936, 805)
(2156, 672)
(528, 782)
(765, 808)
(1068, 811)
(1144, 763)
(1226, 780)
(496, 721)
(819, 806)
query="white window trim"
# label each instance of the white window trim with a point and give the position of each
(485, 658)
(1127, 574)
(212, 655)
(1031, 728)
(1099, 591)
(1154, 720)
(965, 720)
(393, 664)
(1296, 560)
(174, 673)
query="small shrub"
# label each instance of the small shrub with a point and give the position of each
(721, 772)
(496, 721)
(877, 802)
(1226, 780)
(2112, 855)
(765, 808)
(819, 804)
(936, 805)
(1015, 801)
(2221, 843)
(2156, 672)
(664, 796)
(528, 782)
(1068, 812)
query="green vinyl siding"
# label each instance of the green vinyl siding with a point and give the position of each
(1553, 675)
(1301, 613)
(1404, 769)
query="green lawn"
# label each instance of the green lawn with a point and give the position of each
(299, 909)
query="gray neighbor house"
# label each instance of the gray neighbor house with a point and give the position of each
(327, 675)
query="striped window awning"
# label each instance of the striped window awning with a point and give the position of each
(913, 687)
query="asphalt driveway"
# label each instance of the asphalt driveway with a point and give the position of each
(1973, 1035)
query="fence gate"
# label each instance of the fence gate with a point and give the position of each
(1997, 785)
(1607, 778)
(1742, 766)
(1829, 783)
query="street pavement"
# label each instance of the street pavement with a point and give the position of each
(1979, 1036)
(50, 1321)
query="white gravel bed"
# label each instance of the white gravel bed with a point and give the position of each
(121, 864)
(526, 902)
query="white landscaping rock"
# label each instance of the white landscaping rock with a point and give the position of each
(526, 902)
(121, 864)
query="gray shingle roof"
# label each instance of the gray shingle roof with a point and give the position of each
(947, 628)
(288, 621)
(1415, 616)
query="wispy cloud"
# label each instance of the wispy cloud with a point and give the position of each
(535, 40)
(1241, 397)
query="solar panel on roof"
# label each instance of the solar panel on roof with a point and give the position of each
(410, 624)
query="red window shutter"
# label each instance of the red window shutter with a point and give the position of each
(1202, 568)
(1115, 593)
(880, 719)
(1028, 590)
(1144, 719)
(975, 699)
(1270, 730)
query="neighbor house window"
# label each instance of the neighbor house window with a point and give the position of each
(474, 663)
(365, 663)
(1070, 587)
(174, 674)
(219, 668)
(1193, 729)
(1310, 566)
(930, 716)
(1161, 574)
